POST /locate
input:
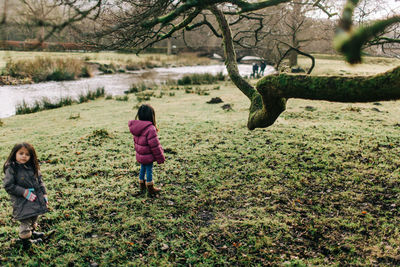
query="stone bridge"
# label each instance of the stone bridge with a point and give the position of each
(211, 51)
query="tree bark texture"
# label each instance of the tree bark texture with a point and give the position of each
(276, 89)
(351, 89)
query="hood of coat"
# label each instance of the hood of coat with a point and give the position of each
(137, 126)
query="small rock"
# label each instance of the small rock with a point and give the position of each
(310, 108)
(164, 247)
(227, 107)
(215, 100)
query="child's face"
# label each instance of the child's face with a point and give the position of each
(22, 155)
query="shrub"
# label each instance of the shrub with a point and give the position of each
(198, 79)
(122, 98)
(74, 116)
(46, 68)
(1, 123)
(136, 88)
(133, 89)
(160, 95)
(86, 72)
(108, 68)
(144, 96)
(186, 80)
(170, 82)
(91, 95)
(133, 65)
(60, 75)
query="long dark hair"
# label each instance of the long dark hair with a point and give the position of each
(146, 113)
(33, 160)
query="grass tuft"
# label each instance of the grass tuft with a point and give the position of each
(48, 69)
(122, 98)
(198, 79)
(45, 103)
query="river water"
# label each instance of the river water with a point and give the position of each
(114, 84)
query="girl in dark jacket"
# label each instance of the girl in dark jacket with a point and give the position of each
(23, 182)
(147, 146)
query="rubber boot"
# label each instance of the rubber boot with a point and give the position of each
(36, 235)
(27, 242)
(151, 190)
(142, 186)
(36, 241)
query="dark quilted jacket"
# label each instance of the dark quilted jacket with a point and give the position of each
(19, 177)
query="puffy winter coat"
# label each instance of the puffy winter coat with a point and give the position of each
(19, 177)
(147, 146)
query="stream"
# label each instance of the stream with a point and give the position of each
(114, 84)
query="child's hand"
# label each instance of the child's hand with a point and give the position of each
(29, 195)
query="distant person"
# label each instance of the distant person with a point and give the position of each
(262, 67)
(255, 70)
(23, 182)
(147, 146)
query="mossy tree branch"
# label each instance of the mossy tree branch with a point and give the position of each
(349, 41)
(276, 89)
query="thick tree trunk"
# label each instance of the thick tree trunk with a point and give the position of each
(293, 58)
(169, 46)
(230, 55)
(259, 116)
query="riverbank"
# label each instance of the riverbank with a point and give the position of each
(319, 187)
(104, 62)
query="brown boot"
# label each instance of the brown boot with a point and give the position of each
(142, 186)
(151, 190)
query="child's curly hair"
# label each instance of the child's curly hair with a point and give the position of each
(33, 160)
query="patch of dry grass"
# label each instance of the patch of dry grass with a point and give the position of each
(123, 59)
(335, 65)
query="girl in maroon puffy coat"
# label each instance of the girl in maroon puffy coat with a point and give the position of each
(147, 146)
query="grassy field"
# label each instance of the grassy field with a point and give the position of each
(334, 64)
(319, 187)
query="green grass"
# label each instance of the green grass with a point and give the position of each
(45, 103)
(319, 187)
(200, 78)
